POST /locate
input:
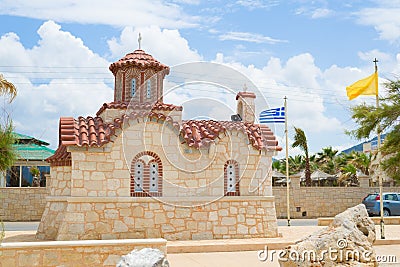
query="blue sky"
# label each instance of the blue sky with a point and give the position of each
(58, 53)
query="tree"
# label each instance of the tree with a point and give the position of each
(7, 152)
(348, 175)
(386, 116)
(326, 160)
(7, 88)
(300, 140)
(362, 161)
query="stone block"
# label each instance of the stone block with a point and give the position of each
(202, 236)
(91, 216)
(200, 216)
(119, 227)
(213, 216)
(228, 221)
(242, 229)
(160, 218)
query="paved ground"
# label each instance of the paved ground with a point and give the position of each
(250, 258)
(388, 250)
(237, 252)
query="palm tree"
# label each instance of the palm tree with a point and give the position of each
(7, 88)
(326, 160)
(7, 152)
(362, 162)
(300, 140)
(296, 164)
(348, 175)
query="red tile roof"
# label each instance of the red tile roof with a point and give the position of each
(200, 133)
(61, 157)
(140, 59)
(138, 106)
(93, 132)
(245, 95)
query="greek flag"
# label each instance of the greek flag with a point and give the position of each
(273, 115)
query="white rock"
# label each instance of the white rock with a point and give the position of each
(347, 241)
(147, 257)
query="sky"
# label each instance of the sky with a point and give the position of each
(57, 53)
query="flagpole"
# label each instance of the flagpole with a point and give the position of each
(287, 167)
(378, 130)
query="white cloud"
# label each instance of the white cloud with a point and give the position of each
(52, 80)
(257, 4)
(385, 19)
(167, 46)
(321, 13)
(314, 13)
(375, 53)
(249, 37)
(121, 13)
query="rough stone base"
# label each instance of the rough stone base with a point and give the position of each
(78, 218)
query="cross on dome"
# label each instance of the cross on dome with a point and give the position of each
(140, 41)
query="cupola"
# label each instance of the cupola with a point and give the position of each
(138, 78)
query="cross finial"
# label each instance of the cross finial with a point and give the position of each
(245, 88)
(140, 41)
(376, 66)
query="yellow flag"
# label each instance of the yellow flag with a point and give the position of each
(366, 86)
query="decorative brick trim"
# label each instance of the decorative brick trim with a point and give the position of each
(146, 175)
(237, 192)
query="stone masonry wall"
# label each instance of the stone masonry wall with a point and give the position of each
(314, 202)
(172, 219)
(22, 204)
(104, 171)
(72, 253)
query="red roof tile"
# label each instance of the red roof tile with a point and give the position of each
(138, 106)
(200, 133)
(61, 157)
(245, 95)
(93, 132)
(140, 59)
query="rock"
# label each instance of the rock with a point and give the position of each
(147, 257)
(347, 241)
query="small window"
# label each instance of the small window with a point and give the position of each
(153, 177)
(133, 87)
(231, 175)
(138, 177)
(148, 92)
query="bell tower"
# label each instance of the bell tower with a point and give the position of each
(138, 77)
(245, 105)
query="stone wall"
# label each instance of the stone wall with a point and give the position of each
(105, 171)
(72, 253)
(72, 218)
(313, 202)
(28, 204)
(22, 204)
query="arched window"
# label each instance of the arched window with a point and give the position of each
(148, 91)
(133, 87)
(231, 178)
(146, 175)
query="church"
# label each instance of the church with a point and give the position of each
(138, 170)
